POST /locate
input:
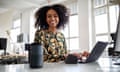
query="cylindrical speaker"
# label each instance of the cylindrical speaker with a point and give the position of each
(36, 56)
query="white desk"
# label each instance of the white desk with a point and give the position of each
(100, 66)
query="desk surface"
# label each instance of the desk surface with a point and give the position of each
(100, 66)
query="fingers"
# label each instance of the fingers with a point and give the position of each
(85, 54)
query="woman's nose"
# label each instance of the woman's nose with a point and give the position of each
(52, 18)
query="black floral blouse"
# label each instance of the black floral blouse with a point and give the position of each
(54, 45)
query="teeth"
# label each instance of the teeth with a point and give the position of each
(52, 22)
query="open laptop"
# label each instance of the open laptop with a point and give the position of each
(95, 53)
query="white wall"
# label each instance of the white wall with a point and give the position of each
(84, 24)
(92, 31)
(5, 22)
(25, 18)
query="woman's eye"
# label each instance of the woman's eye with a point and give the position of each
(56, 16)
(48, 16)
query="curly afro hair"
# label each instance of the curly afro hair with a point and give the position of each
(40, 16)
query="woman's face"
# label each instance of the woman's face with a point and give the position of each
(52, 18)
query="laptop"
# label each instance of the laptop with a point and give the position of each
(95, 53)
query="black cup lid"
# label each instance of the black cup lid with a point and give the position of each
(35, 43)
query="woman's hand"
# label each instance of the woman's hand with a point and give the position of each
(85, 54)
(78, 55)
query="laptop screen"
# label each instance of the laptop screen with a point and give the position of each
(97, 51)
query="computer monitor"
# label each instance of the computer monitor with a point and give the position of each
(20, 38)
(117, 37)
(23, 38)
(27, 46)
(3, 44)
(113, 36)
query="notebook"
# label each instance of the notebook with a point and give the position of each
(95, 53)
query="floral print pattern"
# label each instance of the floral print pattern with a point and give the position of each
(54, 45)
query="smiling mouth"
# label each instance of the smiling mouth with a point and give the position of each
(52, 22)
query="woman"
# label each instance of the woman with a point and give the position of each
(49, 19)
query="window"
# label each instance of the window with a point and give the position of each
(98, 3)
(102, 38)
(32, 27)
(113, 10)
(74, 27)
(101, 24)
(105, 19)
(74, 32)
(71, 33)
(15, 31)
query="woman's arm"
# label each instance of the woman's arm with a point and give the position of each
(63, 47)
